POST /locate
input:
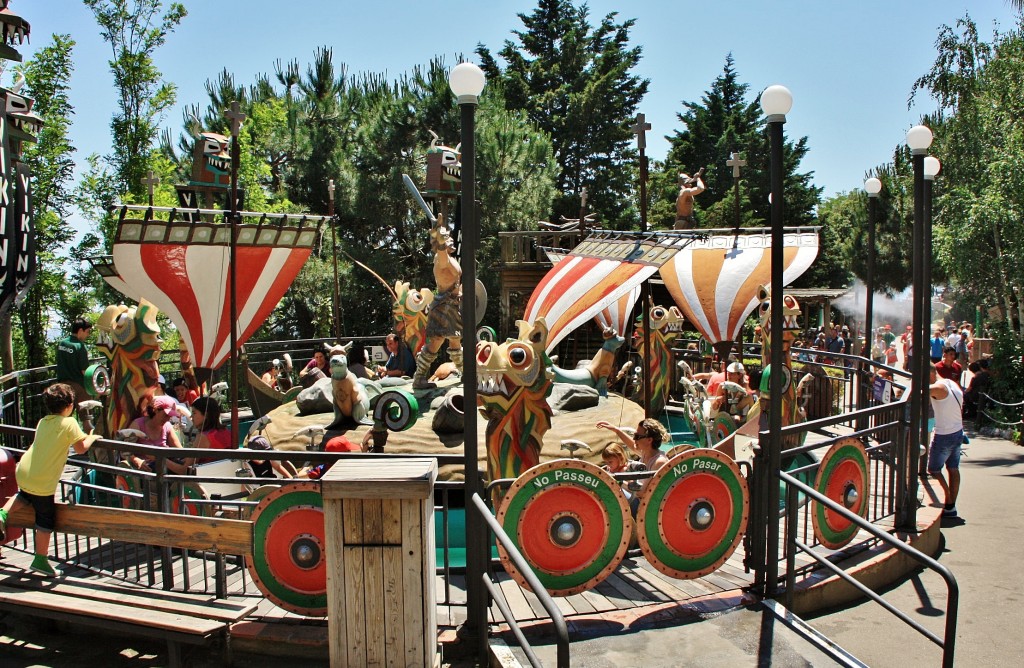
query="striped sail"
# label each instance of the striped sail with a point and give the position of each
(184, 269)
(593, 277)
(617, 315)
(714, 282)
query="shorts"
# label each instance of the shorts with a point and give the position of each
(45, 507)
(945, 450)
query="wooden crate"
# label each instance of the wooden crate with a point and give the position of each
(379, 527)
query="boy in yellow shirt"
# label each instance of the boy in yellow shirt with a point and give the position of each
(40, 468)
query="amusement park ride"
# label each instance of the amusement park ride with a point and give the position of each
(217, 273)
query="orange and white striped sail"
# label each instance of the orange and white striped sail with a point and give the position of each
(714, 281)
(618, 314)
(593, 277)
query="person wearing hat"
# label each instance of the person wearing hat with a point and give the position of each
(907, 341)
(728, 398)
(155, 423)
(265, 468)
(888, 335)
(270, 375)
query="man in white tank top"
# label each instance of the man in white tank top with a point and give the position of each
(947, 401)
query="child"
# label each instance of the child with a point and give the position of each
(41, 466)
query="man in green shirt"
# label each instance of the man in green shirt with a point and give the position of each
(73, 360)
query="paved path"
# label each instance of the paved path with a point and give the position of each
(985, 551)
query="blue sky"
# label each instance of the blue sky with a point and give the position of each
(850, 65)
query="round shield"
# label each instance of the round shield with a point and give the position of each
(571, 522)
(126, 483)
(481, 301)
(288, 561)
(722, 426)
(398, 410)
(180, 498)
(694, 513)
(97, 380)
(256, 496)
(844, 477)
(682, 447)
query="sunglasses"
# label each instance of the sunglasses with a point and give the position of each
(640, 436)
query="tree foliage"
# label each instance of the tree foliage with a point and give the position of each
(135, 29)
(575, 82)
(48, 78)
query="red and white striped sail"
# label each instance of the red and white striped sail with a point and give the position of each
(714, 282)
(618, 314)
(592, 278)
(184, 269)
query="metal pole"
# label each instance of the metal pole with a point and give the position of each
(908, 514)
(236, 118)
(775, 137)
(334, 258)
(640, 129)
(476, 541)
(926, 305)
(869, 300)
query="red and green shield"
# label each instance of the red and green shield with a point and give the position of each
(693, 514)
(844, 477)
(288, 561)
(571, 522)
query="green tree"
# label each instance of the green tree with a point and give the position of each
(724, 122)
(979, 209)
(575, 82)
(47, 77)
(135, 29)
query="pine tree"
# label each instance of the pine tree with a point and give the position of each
(574, 82)
(724, 122)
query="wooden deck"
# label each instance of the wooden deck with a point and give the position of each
(634, 590)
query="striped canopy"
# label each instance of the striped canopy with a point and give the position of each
(617, 315)
(183, 267)
(714, 281)
(594, 276)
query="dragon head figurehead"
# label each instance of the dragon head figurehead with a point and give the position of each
(410, 312)
(790, 329)
(444, 163)
(513, 385)
(16, 31)
(22, 123)
(790, 318)
(666, 325)
(129, 337)
(211, 160)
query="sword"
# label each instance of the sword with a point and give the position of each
(411, 187)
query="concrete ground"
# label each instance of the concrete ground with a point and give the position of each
(983, 548)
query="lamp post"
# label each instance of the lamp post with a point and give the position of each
(467, 81)
(872, 187)
(919, 138)
(776, 101)
(931, 170)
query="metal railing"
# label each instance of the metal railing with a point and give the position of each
(794, 487)
(557, 619)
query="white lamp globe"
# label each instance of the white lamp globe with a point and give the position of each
(931, 167)
(467, 81)
(919, 138)
(776, 101)
(872, 186)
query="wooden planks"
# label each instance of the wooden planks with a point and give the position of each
(140, 526)
(193, 605)
(381, 571)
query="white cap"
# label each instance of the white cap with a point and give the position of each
(736, 367)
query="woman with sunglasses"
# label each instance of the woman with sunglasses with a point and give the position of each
(646, 442)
